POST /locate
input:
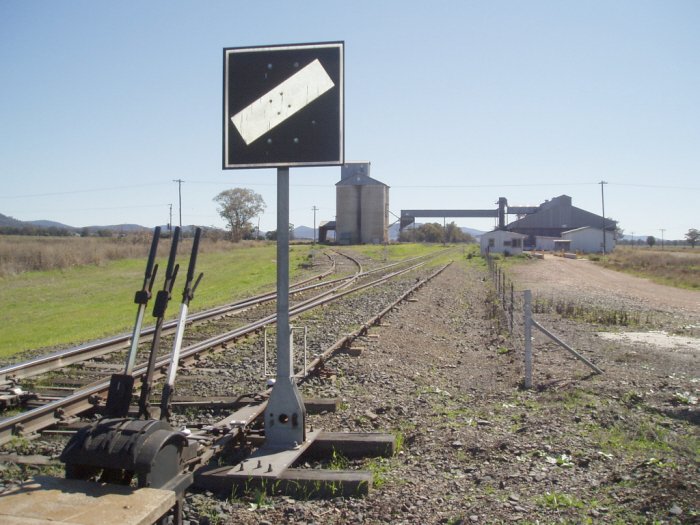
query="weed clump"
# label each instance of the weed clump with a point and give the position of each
(569, 309)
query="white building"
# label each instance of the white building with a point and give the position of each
(589, 240)
(502, 241)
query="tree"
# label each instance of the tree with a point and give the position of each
(455, 234)
(272, 234)
(434, 232)
(237, 207)
(651, 241)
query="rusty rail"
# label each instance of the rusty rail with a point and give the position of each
(54, 412)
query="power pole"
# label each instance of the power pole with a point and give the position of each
(315, 209)
(179, 196)
(602, 198)
(444, 231)
(170, 221)
(662, 237)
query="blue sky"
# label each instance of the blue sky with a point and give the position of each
(455, 103)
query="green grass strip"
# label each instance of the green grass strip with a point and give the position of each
(66, 307)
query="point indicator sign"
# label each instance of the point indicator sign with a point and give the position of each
(283, 106)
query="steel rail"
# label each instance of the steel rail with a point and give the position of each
(59, 410)
(41, 365)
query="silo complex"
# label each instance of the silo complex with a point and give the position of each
(362, 206)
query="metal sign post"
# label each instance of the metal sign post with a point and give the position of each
(285, 415)
(283, 107)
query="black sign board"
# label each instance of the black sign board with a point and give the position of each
(283, 106)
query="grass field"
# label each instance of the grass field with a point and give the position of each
(59, 307)
(80, 303)
(679, 268)
(19, 254)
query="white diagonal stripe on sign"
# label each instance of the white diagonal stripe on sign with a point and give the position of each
(281, 102)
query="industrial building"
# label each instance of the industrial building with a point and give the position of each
(362, 206)
(539, 227)
(554, 217)
(588, 239)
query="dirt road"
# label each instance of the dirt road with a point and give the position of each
(580, 277)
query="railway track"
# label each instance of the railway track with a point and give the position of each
(67, 408)
(220, 440)
(11, 375)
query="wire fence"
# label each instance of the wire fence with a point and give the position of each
(513, 311)
(505, 297)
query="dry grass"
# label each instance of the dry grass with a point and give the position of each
(680, 268)
(20, 254)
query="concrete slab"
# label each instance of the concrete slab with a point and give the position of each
(269, 463)
(55, 501)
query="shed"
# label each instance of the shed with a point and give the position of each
(502, 241)
(589, 239)
(324, 228)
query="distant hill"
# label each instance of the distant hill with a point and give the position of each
(303, 232)
(50, 224)
(12, 226)
(635, 238)
(126, 228)
(300, 232)
(9, 221)
(18, 226)
(474, 233)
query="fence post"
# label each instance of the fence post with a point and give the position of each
(503, 290)
(512, 306)
(528, 337)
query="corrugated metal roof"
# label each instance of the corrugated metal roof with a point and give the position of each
(559, 213)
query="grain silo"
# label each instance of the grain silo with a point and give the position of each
(362, 206)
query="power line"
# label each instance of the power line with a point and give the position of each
(418, 186)
(71, 209)
(73, 192)
(655, 186)
(466, 186)
(408, 186)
